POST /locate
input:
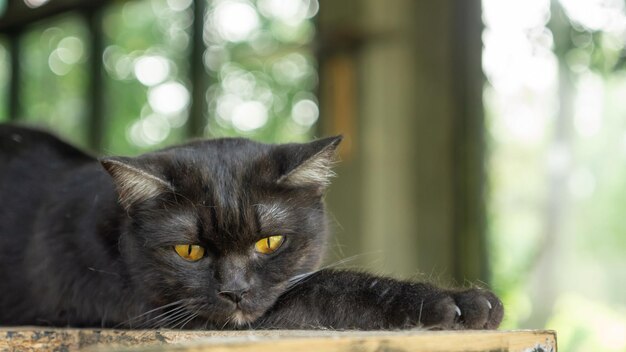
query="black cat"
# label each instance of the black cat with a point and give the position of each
(224, 233)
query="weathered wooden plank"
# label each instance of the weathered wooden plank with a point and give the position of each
(37, 339)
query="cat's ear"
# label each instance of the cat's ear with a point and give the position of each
(309, 164)
(134, 181)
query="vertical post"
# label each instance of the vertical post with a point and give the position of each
(96, 114)
(15, 108)
(197, 76)
(413, 194)
(338, 52)
(468, 174)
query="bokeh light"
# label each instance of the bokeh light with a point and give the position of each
(69, 51)
(234, 20)
(117, 64)
(597, 15)
(305, 112)
(35, 3)
(249, 115)
(150, 130)
(168, 98)
(151, 69)
(293, 12)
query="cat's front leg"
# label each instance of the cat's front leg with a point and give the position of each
(352, 300)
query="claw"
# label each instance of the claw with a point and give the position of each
(488, 303)
(458, 310)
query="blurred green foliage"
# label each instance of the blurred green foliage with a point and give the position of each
(54, 77)
(258, 64)
(135, 30)
(557, 165)
(273, 70)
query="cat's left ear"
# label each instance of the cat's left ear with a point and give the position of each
(134, 180)
(308, 164)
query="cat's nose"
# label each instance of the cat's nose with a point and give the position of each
(234, 295)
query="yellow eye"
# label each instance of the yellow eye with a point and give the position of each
(269, 245)
(190, 252)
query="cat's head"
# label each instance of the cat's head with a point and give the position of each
(223, 226)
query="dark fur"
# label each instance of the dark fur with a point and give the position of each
(73, 253)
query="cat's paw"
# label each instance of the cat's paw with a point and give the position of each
(469, 309)
(480, 309)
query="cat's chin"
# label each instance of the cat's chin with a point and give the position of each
(236, 318)
(239, 318)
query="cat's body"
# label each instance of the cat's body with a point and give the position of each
(87, 245)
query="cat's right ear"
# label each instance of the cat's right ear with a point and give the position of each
(308, 164)
(134, 183)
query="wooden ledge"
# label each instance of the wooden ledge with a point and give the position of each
(37, 339)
